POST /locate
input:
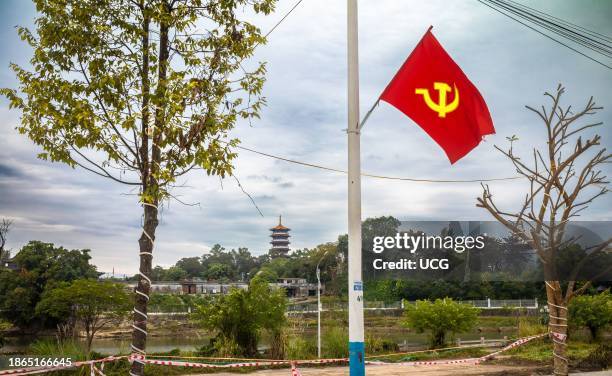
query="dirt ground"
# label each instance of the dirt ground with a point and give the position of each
(398, 370)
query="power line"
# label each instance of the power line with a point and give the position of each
(591, 32)
(555, 28)
(277, 24)
(283, 18)
(563, 30)
(312, 165)
(326, 168)
(567, 32)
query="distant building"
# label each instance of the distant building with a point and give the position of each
(209, 288)
(190, 287)
(298, 287)
(294, 287)
(280, 240)
(10, 264)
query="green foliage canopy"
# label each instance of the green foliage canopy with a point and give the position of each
(93, 303)
(440, 317)
(41, 266)
(110, 78)
(592, 311)
(239, 318)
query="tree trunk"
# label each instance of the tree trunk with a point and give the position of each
(89, 341)
(150, 188)
(557, 325)
(139, 334)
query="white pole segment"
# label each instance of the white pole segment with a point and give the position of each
(355, 288)
(318, 312)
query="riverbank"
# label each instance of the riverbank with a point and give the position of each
(167, 333)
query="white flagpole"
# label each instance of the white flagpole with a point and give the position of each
(355, 287)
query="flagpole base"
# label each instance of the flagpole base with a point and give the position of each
(357, 358)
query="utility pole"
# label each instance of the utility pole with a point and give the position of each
(355, 287)
(318, 312)
(319, 306)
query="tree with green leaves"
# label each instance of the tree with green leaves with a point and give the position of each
(239, 318)
(592, 311)
(175, 273)
(140, 92)
(219, 272)
(94, 304)
(192, 266)
(440, 317)
(41, 266)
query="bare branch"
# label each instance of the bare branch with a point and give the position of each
(561, 186)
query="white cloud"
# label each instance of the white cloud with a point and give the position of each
(306, 113)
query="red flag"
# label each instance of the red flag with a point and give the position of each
(432, 90)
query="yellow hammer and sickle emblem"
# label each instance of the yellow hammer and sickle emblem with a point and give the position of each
(442, 108)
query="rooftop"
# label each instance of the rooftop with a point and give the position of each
(280, 226)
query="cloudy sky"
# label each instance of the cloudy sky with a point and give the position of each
(305, 117)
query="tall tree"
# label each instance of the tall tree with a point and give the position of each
(192, 266)
(140, 92)
(40, 266)
(564, 180)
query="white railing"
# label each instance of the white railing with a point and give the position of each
(381, 306)
(311, 307)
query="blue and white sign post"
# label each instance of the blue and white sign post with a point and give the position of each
(355, 288)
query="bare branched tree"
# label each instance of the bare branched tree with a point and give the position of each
(565, 179)
(5, 227)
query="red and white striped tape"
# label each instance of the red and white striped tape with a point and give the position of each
(263, 362)
(425, 363)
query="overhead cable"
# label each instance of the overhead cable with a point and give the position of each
(375, 176)
(531, 18)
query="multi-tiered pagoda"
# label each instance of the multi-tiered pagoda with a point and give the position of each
(280, 240)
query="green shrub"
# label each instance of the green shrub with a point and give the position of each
(376, 344)
(58, 349)
(227, 347)
(601, 357)
(166, 303)
(439, 318)
(238, 318)
(592, 311)
(527, 327)
(95, 304)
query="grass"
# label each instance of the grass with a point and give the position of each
(56, 349)
(505, 321)
(472, 352)
(540, 350)
(335, 342)
(528, 328)
(300, 348)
